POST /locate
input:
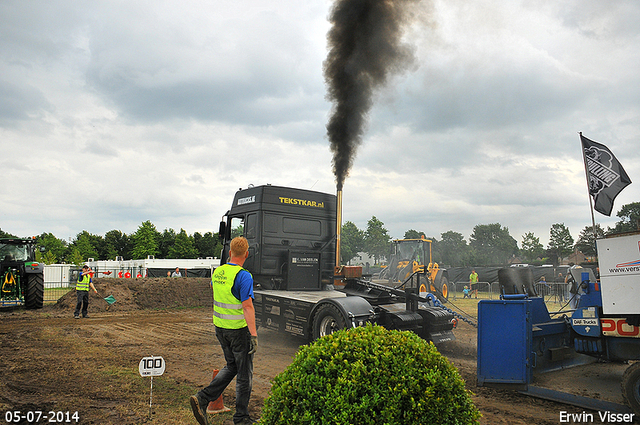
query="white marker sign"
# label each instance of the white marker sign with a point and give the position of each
(151, 366)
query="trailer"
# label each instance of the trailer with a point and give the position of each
(519, 339)
(299, 289)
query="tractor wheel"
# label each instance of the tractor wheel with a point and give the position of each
(34, 293)
(327, 320)
(631, 387)
(443, 293)
(442, 290)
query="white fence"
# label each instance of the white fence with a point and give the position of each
(60, 275)
(58, 280)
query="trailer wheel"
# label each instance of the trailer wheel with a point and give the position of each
(327, 320)
(631, 387)
(34, 293)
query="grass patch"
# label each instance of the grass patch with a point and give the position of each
(105, 386)
(170, 402)
(52, 295)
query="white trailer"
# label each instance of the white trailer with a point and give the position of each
(619, 261)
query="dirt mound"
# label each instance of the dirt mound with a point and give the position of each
(144, 294)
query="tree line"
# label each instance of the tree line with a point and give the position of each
(145, 241)
(488, 245)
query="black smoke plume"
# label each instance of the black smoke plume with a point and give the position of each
(365, 48)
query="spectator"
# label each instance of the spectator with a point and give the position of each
(473, 280)
(561, 288)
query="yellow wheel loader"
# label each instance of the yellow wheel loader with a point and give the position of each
(410, 256)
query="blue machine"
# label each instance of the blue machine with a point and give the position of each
(518, 338)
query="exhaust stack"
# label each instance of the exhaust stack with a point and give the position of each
(342, 272)
(338, 226)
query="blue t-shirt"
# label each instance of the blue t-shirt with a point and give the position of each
(242, 288)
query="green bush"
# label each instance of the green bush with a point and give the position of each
(369, 375)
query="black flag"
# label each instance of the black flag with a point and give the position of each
(606, 176)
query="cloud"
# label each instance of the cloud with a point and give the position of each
(179, 63)
(20, 103)
(161, 110)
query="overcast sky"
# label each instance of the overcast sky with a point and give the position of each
(117, 112)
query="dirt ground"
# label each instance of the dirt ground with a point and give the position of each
(51, 362)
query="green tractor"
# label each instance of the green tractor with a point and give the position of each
(21, 276)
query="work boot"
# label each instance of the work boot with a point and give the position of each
(199, 408)
(245, 421)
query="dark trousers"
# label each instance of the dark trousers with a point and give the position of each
(83, 302)
(235, 346)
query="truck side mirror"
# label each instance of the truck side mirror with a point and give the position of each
(221, 230)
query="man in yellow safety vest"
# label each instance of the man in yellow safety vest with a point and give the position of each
(473, 280)
(235, 323)
(82, 291)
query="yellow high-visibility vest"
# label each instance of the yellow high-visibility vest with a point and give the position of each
(83, 283)
(227, 309)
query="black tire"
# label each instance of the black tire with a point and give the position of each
(327, 320)
(631, 387)
(34, 292)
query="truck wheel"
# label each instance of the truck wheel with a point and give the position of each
(631, 387)
(34, 293)
(327, 320)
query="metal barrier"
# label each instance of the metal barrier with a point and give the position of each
(557, 292)
(58, 280)
(485, 290)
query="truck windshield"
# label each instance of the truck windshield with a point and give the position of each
(10, 252)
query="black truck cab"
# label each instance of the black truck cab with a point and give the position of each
(291, 234)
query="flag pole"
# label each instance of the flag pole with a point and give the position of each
(586, 172)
